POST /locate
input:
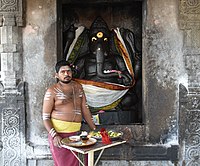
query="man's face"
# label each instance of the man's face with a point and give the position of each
(64, 74)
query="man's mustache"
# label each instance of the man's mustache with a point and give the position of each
(67, 77)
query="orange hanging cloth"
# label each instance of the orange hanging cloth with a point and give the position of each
(105, 137)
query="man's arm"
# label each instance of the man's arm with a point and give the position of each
(48, 105)
(87, 114)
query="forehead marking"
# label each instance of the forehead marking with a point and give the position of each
(63, 68)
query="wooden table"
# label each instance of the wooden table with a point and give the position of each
(91, 149)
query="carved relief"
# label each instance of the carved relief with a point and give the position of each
(11, 137)
(192, 65)
(189, 20)
(191, 41)
(192, 148)
(13, 7)
(191, 6)
(190, 125)
(189, 14)
(8, 5)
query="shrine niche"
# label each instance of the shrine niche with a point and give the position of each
(106, 58)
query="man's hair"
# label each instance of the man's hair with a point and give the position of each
(61, 63)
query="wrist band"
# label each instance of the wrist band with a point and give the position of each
(46, 116)
(53, 132)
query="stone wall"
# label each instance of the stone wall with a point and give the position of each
(189, 23)
(39, 58)
(170, 49)
(163, 67)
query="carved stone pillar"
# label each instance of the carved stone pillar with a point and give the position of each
(12, 129)
(190, 126)
(190, 96)
(190, 24)
(12, 109)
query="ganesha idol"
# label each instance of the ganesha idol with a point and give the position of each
(108, 67)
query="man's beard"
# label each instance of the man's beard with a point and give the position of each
(66, 81)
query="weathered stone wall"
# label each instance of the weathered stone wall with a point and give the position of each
(163, 69)
(39, 58)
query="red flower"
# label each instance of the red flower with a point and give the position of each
(105, 137)
(102, 130)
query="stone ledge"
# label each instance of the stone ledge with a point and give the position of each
(145, 152)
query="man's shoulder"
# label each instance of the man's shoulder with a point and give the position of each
(77, 83)
(52, 87)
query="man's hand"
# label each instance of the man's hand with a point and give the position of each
(57, 141)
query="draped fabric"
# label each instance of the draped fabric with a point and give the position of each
(64, 126)
(63, 156)
(100, 97)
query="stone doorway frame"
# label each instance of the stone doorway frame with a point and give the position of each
(137, 147)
